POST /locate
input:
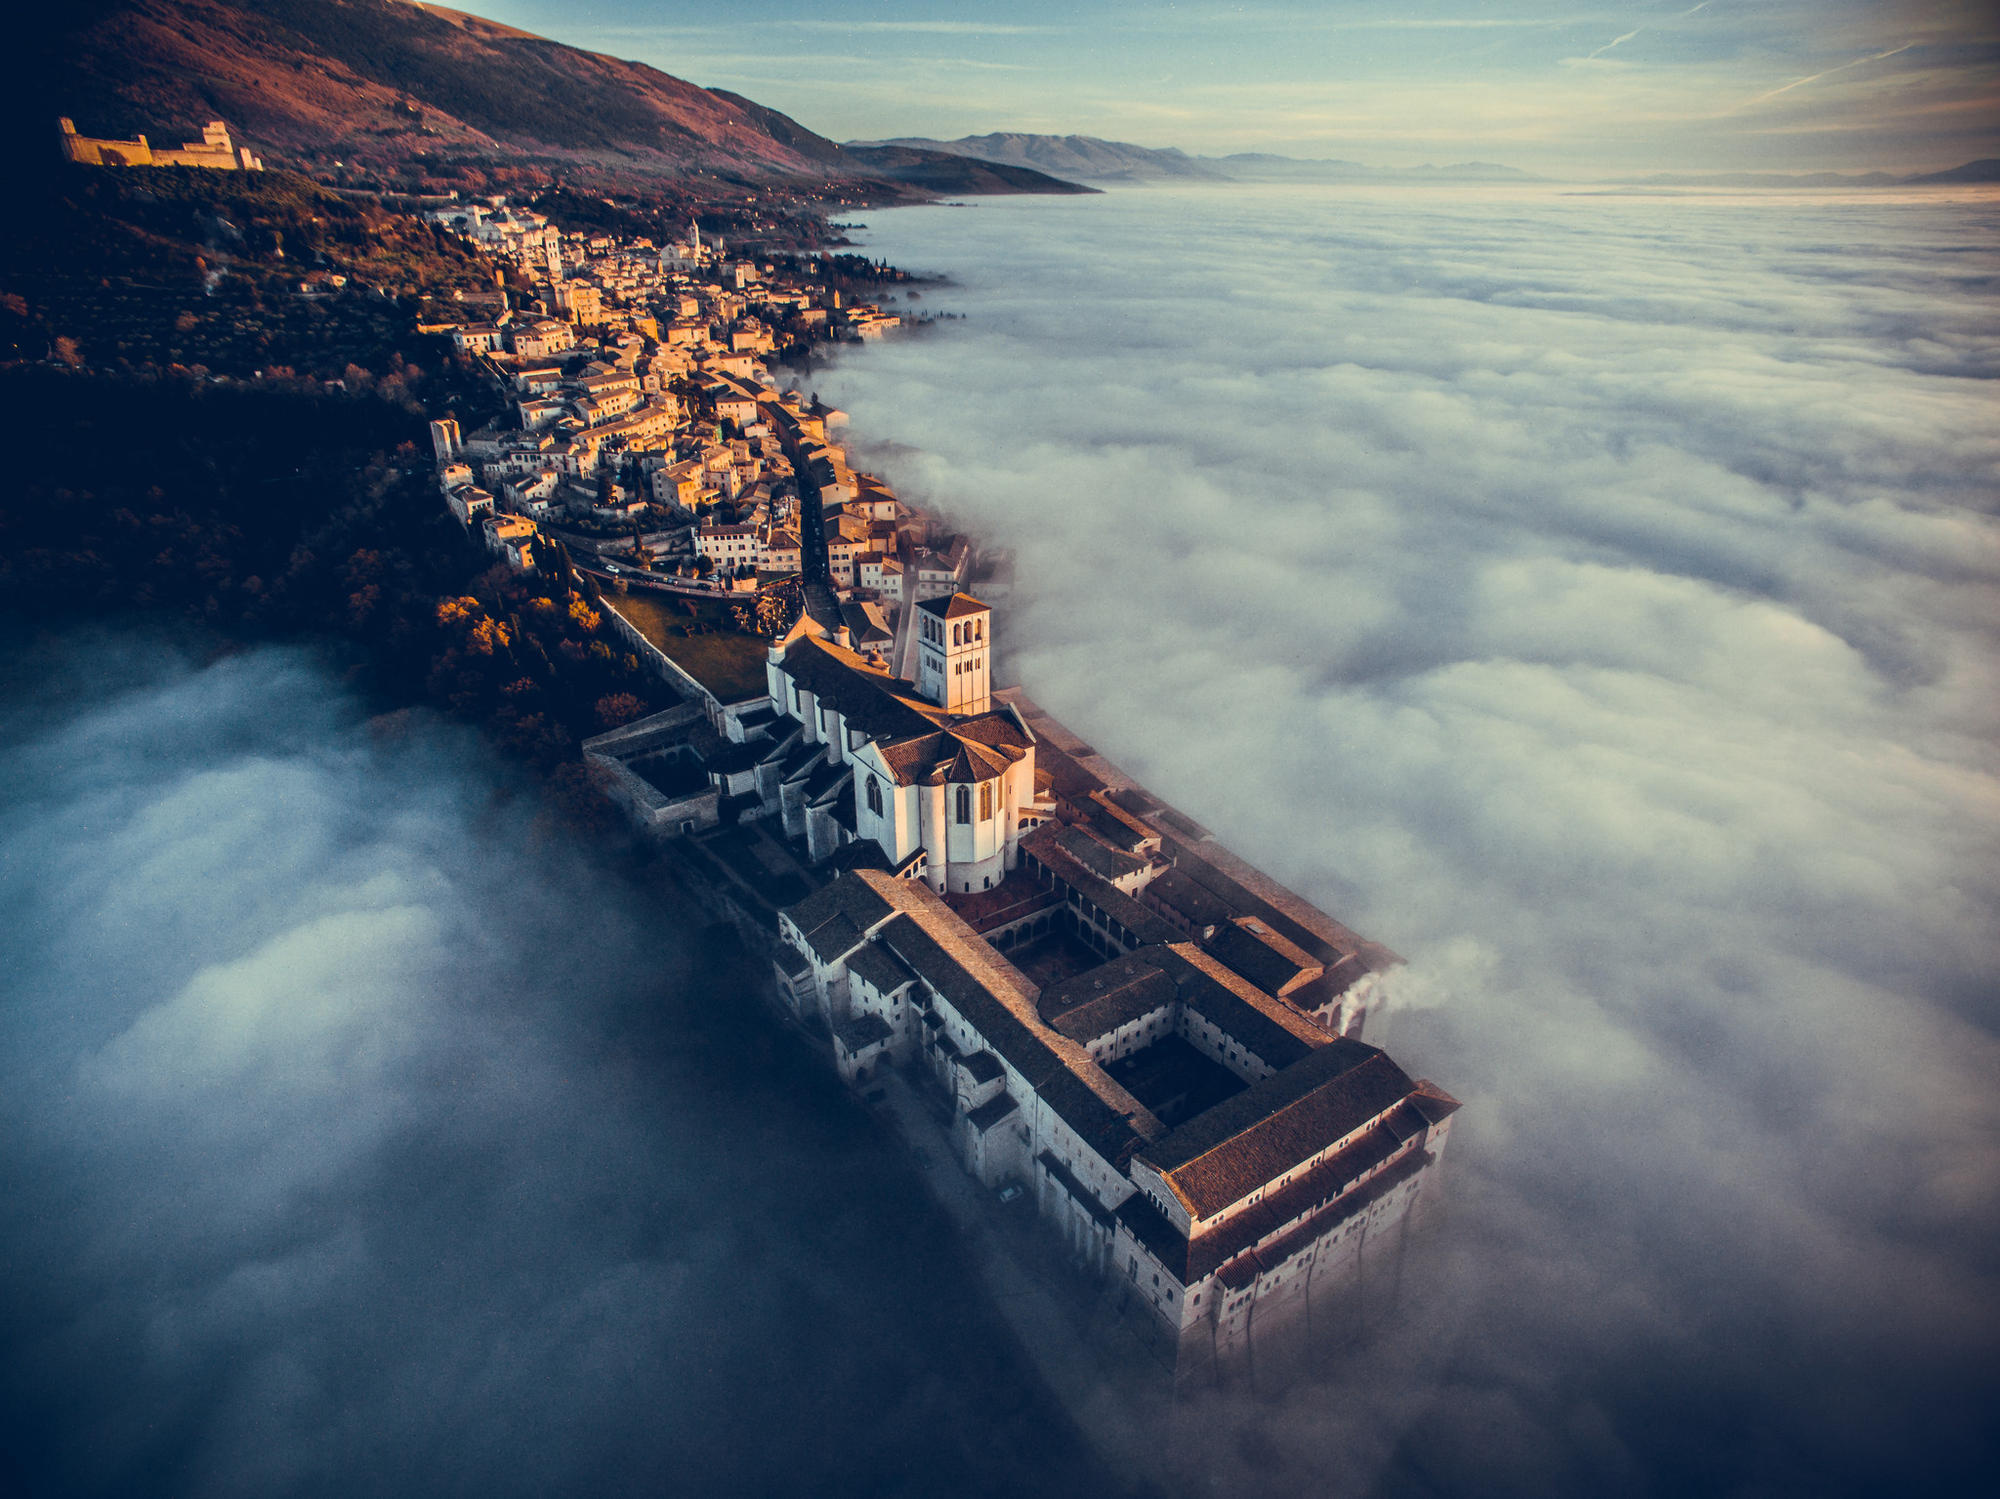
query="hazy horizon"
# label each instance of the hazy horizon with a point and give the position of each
(1638, 87)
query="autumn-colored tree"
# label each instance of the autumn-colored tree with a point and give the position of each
(618, 709)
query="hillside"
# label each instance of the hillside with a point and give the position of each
(229, 273)
(1083, 158)
(393, 91)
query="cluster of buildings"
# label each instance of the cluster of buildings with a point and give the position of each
(1116, 1021)
(643, 404)
(1155, 1045)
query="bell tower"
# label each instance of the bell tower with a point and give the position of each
(955, 653)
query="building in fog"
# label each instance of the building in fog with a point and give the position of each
(1156, 1042)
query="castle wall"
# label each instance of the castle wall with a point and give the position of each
(214, 151)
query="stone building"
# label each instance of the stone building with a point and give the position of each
(214, 150)
(1157, 1042)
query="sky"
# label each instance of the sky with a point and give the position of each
(1548, 86)
(1596, 599)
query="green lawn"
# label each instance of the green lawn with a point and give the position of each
(728, 664)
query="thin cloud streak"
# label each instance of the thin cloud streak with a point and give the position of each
(1828, 73)
(1616, 42)
(1674, 91)
(923, 28)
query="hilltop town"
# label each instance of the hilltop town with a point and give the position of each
(997, 937)
(785, 676)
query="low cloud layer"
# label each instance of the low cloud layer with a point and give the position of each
(1593, 599)
(357, 1136)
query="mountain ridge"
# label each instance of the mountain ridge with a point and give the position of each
(1091, 158)
(1094, 159)
(415, 91)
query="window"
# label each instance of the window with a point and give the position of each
(985, 800)
(965, 804)
(979, 629)
(875, 796)
(955, 633)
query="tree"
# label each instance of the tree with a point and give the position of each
(619, 708)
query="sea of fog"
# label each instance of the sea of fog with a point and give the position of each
(1593, 598)
(361, 1135)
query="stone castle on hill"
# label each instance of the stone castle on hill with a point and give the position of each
(214, 150)
(1157, 1045)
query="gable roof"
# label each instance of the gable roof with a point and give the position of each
(1225, 1153)
(883, 970)
(997, 1001)
(1098, 1002)
(862, 690)
(956, 607)
(857, 900)
(1268, 959)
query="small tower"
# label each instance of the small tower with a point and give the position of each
(955, 653)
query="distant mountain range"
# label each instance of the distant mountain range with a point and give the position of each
(392, 83)
(1263, 166)
(1086, 158)
(1987, 170)
(1082, 158)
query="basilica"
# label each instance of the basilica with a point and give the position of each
(940, 780)
(1156, 1044)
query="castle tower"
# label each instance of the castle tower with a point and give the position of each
(955, 653)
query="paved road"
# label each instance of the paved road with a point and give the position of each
(812, 531)
(903, 662)
(639, 580)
